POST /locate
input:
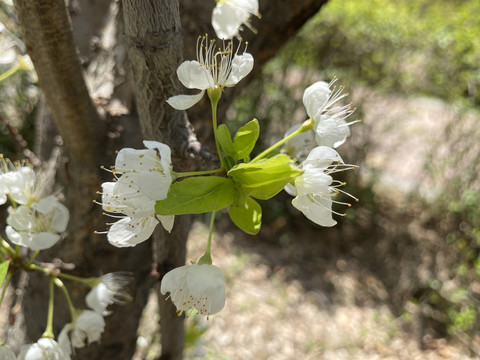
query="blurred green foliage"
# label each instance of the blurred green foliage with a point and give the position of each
(429, 47)
(412, 48)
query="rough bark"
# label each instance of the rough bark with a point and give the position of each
(154, 42)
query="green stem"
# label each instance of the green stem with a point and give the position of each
(60, 284)
(207, 257)
(214, 103)
(306, 126)
(30, 261)
(5, 245)
(17, 251)
(91, 282)
(10, 72)
(48, 333)
(5, 287)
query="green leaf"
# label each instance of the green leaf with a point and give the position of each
(265, 178)
(225, 140)
(245, 139)
(3, 270)
(197, 195)
(247, 217)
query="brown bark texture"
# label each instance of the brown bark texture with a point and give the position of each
(107, 90)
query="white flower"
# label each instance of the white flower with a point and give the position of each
(196, 286)
(330, 128)
(44, 348)
(229, 15)
(110, 289)
(315, 189)
(87, 328)
(215, 68)
(6, 354)
(146, 176)
(38, 226)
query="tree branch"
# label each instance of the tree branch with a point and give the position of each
(48, 37)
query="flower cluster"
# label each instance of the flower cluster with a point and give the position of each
(86, 327)
(141, 178)
(35, 219)
(315, 190)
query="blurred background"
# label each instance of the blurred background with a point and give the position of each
(398, 277)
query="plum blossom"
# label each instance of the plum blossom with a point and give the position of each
(215, 68)
(87, 328)
(228, 16)
(320, 100)
(37, 227)
(110, 289)
(44, 348)
(315, 189)
(142, 178)
(195, 286)
(330, 129)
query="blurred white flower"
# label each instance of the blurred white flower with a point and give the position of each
(6, 354)
(215, 68)
(145, 177)
(195, 286)
(38, 226)
(228, 16)
(110, 289)
(315, 190)
(87, 328)
(44, 348)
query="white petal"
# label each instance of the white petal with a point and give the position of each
(241, 67)
(164, 151)
(316, 97)
(43, 240)
(60, 218)
(321, 157)
(227, 19)
(194, 75)
(290, 190)
(99, 298)
(6, 353)
(130, 232)
(318, 209)
(207, 281)
(313, 181)
(167, 221)
(184, 102)
(88, 328)
(129, 160)
(154, 184)
(331, 132)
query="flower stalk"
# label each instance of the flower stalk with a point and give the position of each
(207, 257)
(48, 333)
(306, 126)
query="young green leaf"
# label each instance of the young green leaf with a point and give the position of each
(245, 139)
(265, 178)
(225, 140)
(3, 270)
(197, 195)
(247, 217)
